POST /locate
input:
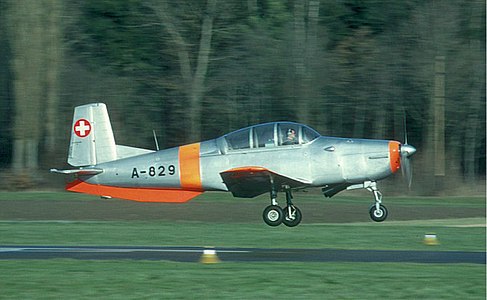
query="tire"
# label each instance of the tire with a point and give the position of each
(378, 215)
(297, 218)
(273, 215)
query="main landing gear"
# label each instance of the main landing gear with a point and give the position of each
(274, 215)
(377, 211)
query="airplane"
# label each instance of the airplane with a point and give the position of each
(265, 158)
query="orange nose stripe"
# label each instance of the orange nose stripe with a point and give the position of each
(394, 156)
(189, 166)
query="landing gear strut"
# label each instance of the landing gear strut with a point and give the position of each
(274, 215)
(292, 214)
(377, 211)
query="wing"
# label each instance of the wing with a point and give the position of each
(248, 182)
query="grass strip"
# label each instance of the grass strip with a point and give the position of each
(339, 236)
(71, 279)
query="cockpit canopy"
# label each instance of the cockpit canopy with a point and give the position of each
(274, 134)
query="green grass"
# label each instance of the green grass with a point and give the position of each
(126, 279)
(70, 279)
(464, 202)
(344, 236)
(404, 235)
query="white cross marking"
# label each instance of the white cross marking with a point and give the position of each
(82, 128)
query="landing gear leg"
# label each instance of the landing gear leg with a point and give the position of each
(377, 211)
(292, 214)
(273, 214)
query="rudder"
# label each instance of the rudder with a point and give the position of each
(92, 140)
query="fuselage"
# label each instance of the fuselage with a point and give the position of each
(318, 162)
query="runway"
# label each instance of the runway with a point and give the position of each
(193, 254)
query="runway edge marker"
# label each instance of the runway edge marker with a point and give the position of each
(430, 239)
(209, 256)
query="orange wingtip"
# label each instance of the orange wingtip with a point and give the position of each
(134, 194)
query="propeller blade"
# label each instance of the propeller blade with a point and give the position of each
(405, 129)
(406, 152)
(408, 172)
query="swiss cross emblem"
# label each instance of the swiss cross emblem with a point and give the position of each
(82, 128)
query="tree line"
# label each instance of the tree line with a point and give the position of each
(193, 70)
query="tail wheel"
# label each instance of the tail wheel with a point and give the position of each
(292, 219)
(378, 215)
(273, 215)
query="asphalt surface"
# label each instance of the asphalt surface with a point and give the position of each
(193, 254)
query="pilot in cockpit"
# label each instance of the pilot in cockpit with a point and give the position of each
(291, 138)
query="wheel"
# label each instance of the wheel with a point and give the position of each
(273, 215)
(378, 215)
(296, 217)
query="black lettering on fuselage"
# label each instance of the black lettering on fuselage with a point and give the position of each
(153, 171)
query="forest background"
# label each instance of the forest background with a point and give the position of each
(194, 70)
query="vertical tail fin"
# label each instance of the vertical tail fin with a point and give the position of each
(92, 140)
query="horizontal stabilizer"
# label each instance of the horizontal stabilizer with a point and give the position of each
(135, 194)
(82, 171)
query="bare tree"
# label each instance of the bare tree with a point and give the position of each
(193, 77)
(305, 52)
(26, 40)
(53, 60)
(476, 94)
(35, 39)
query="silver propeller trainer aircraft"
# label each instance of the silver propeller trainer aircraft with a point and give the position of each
(266, 158)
